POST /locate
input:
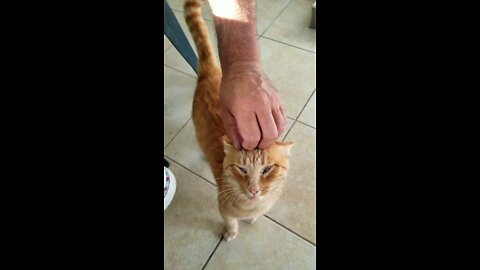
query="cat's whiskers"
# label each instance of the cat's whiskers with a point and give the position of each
(226, 195)
(226, 200)
(234, 200)
(275, 189)
(225, 190)
(229, 200)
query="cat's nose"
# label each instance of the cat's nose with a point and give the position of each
(254, 190)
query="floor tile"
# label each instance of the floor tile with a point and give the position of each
(268, 11)
(292, 27)
(192, 224)
(292, 72)
(178, 93)
(309, 114)
(185, 150)
(263, 245)
(296, 207)
(166, 43)
(175, 60)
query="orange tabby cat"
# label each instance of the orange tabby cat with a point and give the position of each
(248, 182)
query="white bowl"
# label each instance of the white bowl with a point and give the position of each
(169, 187)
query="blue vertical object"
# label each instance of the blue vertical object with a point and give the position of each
(175, 34)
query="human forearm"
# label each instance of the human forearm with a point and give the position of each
(236, 33)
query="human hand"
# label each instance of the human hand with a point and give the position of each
(251, 110)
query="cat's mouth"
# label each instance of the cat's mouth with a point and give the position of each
(254, 198)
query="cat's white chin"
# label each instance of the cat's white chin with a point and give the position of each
(254, 198)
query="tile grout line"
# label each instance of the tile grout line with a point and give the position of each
(309, 99)
(306, 103)
(268, 27)
(181, 165)
(298, 116)
(293, 46)
(285, 137)
(176, 134)
(290, 230)
(211, 254)
(306, 124)
(183, 72)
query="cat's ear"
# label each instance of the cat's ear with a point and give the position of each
(227, 144)
(284, 147)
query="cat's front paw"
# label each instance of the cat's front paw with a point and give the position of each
(229, 236)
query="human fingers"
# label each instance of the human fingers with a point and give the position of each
(282, 110)
(280, 120)
(268, 128)
(248, 129)
(231, 127)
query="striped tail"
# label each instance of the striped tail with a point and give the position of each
(198, 28)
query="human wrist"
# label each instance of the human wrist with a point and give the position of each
(237, 46)
(236, 32)
(242, 66)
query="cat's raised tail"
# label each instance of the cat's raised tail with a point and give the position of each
(198, 28)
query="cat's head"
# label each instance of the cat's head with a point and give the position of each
(257, 173)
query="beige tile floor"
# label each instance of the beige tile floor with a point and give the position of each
(285, 238)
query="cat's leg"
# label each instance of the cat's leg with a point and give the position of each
(251, 220)
(231, 228)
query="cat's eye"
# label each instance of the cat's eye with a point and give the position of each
(267, 169)
(241, 169)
